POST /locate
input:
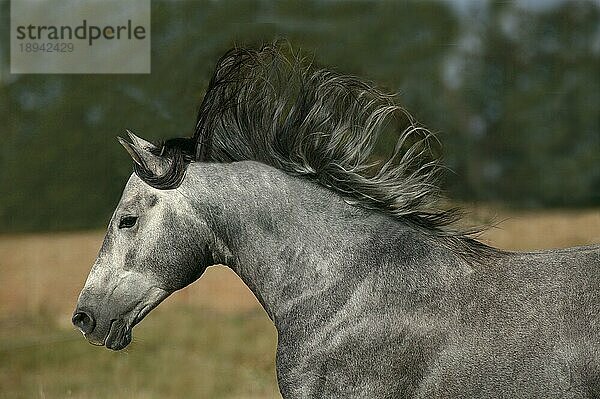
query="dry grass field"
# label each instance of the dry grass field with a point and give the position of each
(211, 340)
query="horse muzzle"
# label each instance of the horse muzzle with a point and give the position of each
(106, 316)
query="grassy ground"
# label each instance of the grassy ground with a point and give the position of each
(210, 340)
(178, 353)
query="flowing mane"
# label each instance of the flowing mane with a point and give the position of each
(266, 106)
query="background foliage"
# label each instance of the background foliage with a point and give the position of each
(513, 88)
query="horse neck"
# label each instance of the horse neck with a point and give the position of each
(287, 238)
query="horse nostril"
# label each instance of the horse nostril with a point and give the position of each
(84, 321)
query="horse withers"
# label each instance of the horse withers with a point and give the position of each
(374, 291)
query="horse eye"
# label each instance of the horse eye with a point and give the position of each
(127, 222)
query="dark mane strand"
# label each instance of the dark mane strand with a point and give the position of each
(180, 152)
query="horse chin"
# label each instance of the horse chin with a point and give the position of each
(119, 335)
(120, 330)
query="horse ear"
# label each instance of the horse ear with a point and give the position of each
(132, 151)
(140, 142)
(155, 164)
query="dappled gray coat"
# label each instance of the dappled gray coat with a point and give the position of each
(374, 291)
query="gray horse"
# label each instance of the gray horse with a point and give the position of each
(374, 290)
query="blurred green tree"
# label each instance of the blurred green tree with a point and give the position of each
(514, 93)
